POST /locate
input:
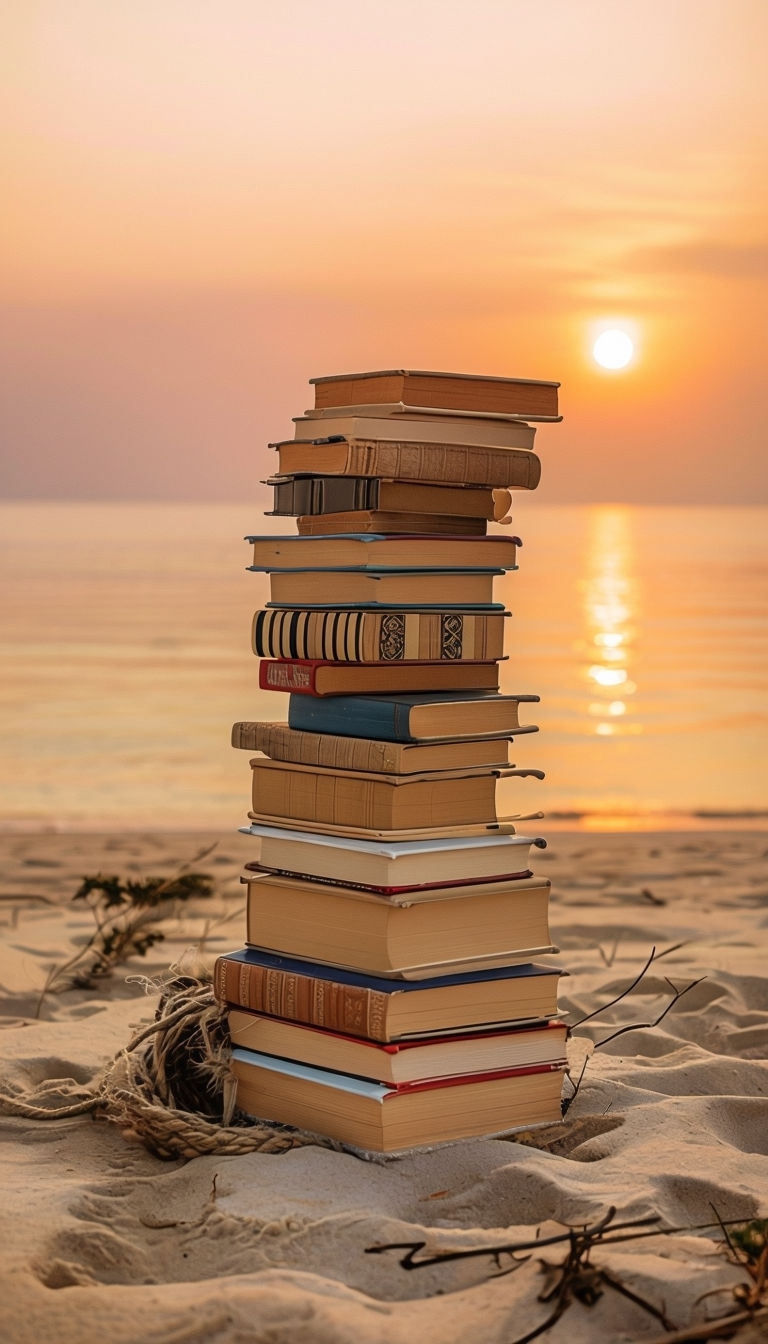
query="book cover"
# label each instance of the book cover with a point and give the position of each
(391, 718)
(373, 636)
(317, 678)
(529, 397)
(372, 550)
(329, 495)
(282, 743)
(396, 421)
(380, 1008)
(402, 460)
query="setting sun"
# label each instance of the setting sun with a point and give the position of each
(613, 349)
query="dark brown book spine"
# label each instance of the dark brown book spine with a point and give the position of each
(349, 1009)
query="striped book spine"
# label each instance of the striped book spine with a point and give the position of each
(389, 636)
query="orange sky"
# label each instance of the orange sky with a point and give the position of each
(207, 202)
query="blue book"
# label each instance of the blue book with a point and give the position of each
(423, 717)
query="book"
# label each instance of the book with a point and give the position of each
(403, 460)
(305, 495)
(379, 1009)
(378, 636)
(402, 935)
(396, 421)
(372, 550)
(382, 1118)
(389, 863)
(422, 891)
(409, 718)
(382, 588)
(400, 1061)
(449, 391)
(373, 520)
(305, 677)
(310, 793)
(282, 743)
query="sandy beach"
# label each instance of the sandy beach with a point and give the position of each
(103, 1240)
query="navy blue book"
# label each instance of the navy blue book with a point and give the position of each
(424, 717)
(382, 1009)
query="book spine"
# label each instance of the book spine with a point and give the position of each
(332, 752)
(287, 676)
(360, 636)
(444, 463)
(352, 1010)
(348, 716)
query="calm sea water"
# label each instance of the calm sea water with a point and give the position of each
(125, 659)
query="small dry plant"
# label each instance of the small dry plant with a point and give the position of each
(127, 913)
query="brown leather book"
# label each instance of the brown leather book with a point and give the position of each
(378, 636)
(407, 460)
(527, 397)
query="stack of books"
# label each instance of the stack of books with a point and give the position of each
(389, 994)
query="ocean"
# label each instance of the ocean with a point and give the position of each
(126, 658)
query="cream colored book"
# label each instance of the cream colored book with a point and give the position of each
(418, 424)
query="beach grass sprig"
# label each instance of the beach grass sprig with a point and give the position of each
(127, 912)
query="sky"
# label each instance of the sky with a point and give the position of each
(208, 202)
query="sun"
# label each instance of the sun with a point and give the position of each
(613, 349)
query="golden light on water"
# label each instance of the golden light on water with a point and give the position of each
(610, 611)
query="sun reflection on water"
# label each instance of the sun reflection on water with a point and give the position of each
(611, 610)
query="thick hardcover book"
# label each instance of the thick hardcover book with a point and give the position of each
(335, 588)
(327, 495)
(310, 793)
(417, 425)
(412, 937)
(307, 677)
(386, 1119)
(380, 1009)
(450, 391)
(409, 718)
(373, 520)
(282, 743)
(372, 550)
(402, 460)
(422, 891)
(393, 863)
(400, 1062)
(378, 636)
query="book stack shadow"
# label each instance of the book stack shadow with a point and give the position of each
(391, 992)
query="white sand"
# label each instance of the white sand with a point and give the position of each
(103, 1241)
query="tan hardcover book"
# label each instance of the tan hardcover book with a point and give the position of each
(383, 863)
(319, 678)
(282, 743)
(416, 424)
(381, 1009)
(449, 391)
(402, 460)
(381, 587)
(414, 939)
(371, 801)
(420, 833)
(374, 551)
(373, 520)
(382, 1118)
(378, 636)
(314, 495)
(402, 1061)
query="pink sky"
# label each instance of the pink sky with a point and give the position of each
(208, 204)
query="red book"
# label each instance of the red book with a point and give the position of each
(313, 677)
